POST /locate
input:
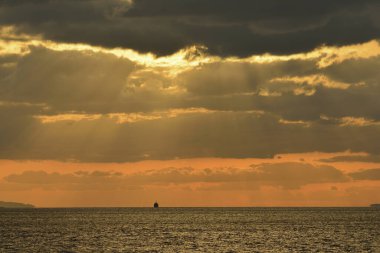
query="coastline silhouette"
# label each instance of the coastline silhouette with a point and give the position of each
(4, 204)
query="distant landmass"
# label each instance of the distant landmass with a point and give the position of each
(4, 204)
(375, 205)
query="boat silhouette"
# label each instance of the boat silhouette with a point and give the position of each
(155, 205)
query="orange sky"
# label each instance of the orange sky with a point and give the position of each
(208, 193)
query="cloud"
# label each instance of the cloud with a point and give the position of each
(283, 175)
(90, 82)
(369, 174)
(261, 87)
(17, 124)
(165, 26)
(228, 78)
(80, 180)
(114, 81)
(294, 175)
(66, 80)
(353, 158)
(58, 103)
(203, 133)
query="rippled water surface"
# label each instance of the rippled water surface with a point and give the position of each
(190, 230)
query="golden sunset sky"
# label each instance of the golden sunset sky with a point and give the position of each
(190, 103)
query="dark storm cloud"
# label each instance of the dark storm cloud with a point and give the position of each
(370, 174)
(226, 27)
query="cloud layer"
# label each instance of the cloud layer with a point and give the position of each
(67, 101)
(241, 28)
(283, 175)
(58, 104)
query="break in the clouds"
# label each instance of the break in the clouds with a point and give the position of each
(236, 28)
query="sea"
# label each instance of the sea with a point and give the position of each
(190, 230)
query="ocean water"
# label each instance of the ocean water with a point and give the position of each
(190, 230)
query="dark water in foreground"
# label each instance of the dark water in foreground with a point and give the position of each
(191, 230)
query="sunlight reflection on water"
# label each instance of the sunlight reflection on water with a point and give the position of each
(190, 230)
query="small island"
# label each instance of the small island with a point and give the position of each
(375, 205)
(4, 204)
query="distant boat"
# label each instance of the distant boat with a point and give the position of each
(375, 205)
(155, 205)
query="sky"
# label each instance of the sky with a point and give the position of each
(190, 102)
